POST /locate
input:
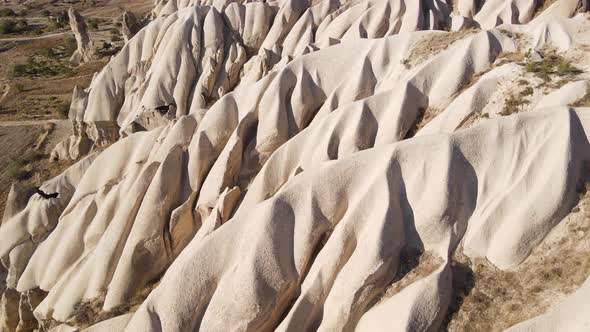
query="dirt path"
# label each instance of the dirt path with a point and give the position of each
(20, 39)
(28, 123)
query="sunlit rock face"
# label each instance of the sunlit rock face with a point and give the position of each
(311, 165)
(85, 51)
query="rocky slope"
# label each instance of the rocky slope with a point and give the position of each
(319, 165)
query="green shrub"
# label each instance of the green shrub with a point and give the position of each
(552, 64)
(16, 171)
(527, 91)
(70, 45)
(12, 26)
(19, 87)
(54, 25)
(7, 12)
(19, 168)
(18, 70)
(7, 26)
(63, 110)
(513, 105)
(47, 52)
(38, 68)
(92, 23)
(58, 20)
(21, 24)
(30, 156)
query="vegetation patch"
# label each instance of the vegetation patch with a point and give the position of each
(13, 26)
(584, 101)
(424, 116)
(541, 6)
(552, 65)
(493, 300)
(7, 12)
(514, 104)
(528, 91)
(63, 110)
(472, 119)
(413, 266)
(509, 57)
(70, 45)
(35, 67)
(19, 167)
(58, 20)
(91, 312)
(432, 44)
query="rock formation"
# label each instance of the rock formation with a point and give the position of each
(130, 25)
(85, 51)
(320, 165)
(78, 144)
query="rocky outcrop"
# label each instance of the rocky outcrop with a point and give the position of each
(18, 197)
(85, 136)
(314, 165)
(130, 25)
(85, 51)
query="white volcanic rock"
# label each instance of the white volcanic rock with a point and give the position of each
(85, 51)
(273, 162)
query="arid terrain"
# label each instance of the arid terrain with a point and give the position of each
(36, 80)
(295, 165)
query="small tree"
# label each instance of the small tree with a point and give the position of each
(7, 12)
(7, 26)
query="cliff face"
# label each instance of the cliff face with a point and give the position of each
(319, 165)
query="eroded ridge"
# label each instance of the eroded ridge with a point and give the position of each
(318, 165)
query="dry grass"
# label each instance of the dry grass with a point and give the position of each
(414, 265)
(552, 64)
(515, 104)
(584, 101)
(14, 142)
(528, 91)
(25, 160)
(432, 44)
(509, 57)
(424, 116)
(500, 299)
(541, 6)
(518, 38)
(39, 79)
(473, 119)
(90, 312)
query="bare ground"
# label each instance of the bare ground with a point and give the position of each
(493, 300)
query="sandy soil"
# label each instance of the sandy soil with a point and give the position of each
(28, 103)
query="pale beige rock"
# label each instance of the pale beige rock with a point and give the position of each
(64, 328)
(17, 200)
(85, 51)
(114, 324)
(271, 161)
